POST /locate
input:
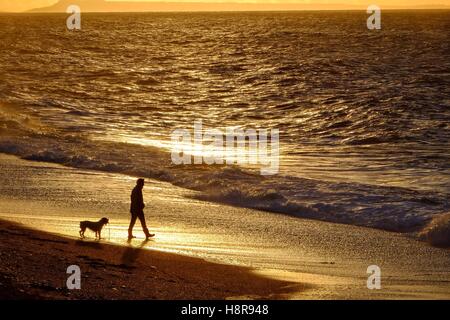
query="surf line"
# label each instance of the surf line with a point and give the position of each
(232, 146)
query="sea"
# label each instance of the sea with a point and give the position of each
(363, 115)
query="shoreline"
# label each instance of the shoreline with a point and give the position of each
(357, 203)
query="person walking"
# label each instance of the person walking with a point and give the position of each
(137, 210)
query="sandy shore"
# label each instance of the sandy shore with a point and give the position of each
(33, 265)
(202, 250)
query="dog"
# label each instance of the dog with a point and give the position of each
(94, 226)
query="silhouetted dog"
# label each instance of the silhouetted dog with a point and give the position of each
(94, 226)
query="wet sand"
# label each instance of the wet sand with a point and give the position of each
(33, 265)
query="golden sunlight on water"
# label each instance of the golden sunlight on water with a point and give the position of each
(210, 145)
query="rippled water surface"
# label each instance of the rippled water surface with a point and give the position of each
(355, 108)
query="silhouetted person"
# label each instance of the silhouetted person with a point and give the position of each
(137, 209)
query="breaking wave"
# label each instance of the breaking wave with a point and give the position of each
(437, 232)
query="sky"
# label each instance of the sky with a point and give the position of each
(22, 5)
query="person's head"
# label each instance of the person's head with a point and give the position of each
(140, 183)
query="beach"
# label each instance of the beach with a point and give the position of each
(259, 254)
(286, 155)
(34, 264)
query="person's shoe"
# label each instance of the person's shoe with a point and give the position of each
(150, 235)
(131, 237)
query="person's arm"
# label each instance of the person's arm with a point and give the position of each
(141, 200)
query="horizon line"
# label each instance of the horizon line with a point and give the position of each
(33, 11)
(197, 6)
(230, 11)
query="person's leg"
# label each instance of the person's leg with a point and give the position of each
(132, 222)
(143, 223)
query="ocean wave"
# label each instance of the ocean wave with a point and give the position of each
(437, 232)
(78, 113)
(148, 81)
